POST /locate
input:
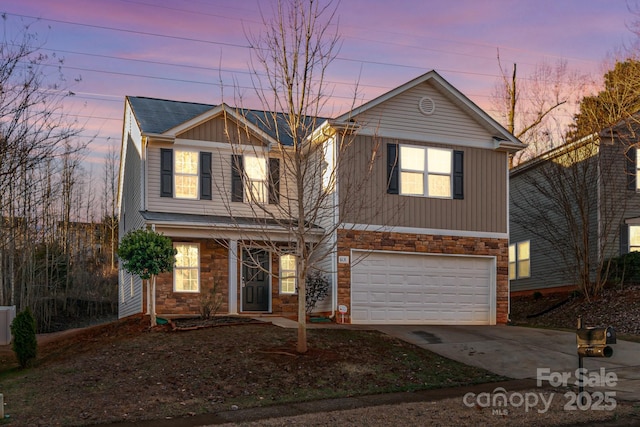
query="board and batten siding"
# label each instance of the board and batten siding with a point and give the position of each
(483, 208)
(401, 115)
(217, 130)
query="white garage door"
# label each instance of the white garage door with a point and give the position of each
(389, 288)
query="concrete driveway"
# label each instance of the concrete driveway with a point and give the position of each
(519, 352)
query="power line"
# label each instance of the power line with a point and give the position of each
(124, 30)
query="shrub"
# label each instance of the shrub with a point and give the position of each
(25, 345)
(537, 295)
(210, 301)
(317, 289)
(625, 269)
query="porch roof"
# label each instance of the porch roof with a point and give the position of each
(222, 222)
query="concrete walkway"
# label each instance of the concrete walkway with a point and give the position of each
(519, 352)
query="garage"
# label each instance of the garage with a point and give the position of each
(409, 288)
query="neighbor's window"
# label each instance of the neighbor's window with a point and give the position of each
(637, 150)
(186, 272)
(512, 262)
(256, 183)
(288, 274)
(186, 174)
(425, 171)
(634, 237)
(524, 260)
(519, 260)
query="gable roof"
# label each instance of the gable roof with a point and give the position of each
(159, 116)
(502, 137)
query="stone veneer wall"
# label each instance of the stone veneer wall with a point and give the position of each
(419, 243)
(214, 267)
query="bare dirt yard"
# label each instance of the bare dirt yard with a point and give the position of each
(125, 371)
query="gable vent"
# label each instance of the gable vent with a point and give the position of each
(426, 105)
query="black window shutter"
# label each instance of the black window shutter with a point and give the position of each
(393, 182)
(166, 172)
(205, 175)
(624, 239)
(274, 181)
(237, 169)
(458, 174)
(631, 168)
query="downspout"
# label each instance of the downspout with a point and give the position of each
(508, 239)
(145, 148)
(334, 226)
(143, 182)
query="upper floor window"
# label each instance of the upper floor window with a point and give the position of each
(519, 260)
(186, 174)
(255, 186)
(637, 168)
(425, 171)
(255, 179)
(186, 272)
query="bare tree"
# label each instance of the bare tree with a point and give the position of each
(41, 199)
(574, 197)
(289, 67)
(537, 108)
(109, 219)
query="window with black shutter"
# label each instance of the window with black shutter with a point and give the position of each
(458, 174)
(393, 186)
(205, 176)
(166, 172)
(274, 181)
(237, 189)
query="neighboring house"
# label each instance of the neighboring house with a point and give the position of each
(583, 194)
(429, 243)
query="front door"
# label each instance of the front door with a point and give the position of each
(255, 280)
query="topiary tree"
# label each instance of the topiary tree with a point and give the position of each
(25, 345)
(146, 254)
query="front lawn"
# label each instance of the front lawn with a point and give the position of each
(122, 371)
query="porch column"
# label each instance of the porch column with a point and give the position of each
(233, 277)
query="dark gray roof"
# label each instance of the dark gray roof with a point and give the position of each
(213, 220)
(159, 115)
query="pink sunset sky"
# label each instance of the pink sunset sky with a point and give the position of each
(197, 50)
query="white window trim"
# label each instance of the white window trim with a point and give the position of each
(517, 260)
(176, 268)
(513, 262)
(247, 181)
(176, 173)
(637, 150)
(632, 247)
(295, 275)
(425, 173)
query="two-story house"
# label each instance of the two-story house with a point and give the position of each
(572, 209)
(430, 245)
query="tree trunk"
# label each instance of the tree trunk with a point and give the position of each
(153, 302)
